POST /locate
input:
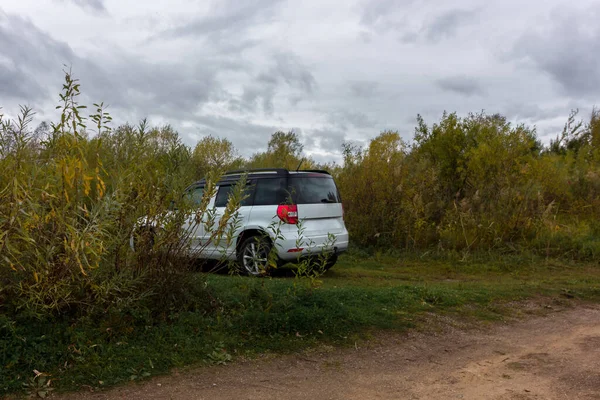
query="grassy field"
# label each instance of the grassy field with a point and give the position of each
(237, 316)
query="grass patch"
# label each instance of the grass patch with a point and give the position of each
(280, 314)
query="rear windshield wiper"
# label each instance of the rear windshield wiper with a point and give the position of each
(328, 201)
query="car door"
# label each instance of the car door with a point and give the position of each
(220, 243)
(319, 204)
(193, 227)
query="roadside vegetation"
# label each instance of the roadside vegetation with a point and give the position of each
(471, 215)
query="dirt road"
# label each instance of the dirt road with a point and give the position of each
(556, 356)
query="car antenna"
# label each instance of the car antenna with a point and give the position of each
(299, 164)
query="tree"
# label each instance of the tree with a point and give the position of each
(285, 144)
(212, 154)
(284, 151)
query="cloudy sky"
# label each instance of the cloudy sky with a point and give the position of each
(333, 70)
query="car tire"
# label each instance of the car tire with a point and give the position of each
(331, 262)
(253, 256)
(321, 266)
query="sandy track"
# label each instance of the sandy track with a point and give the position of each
(556, 356)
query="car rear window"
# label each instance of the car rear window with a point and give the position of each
(313, 190)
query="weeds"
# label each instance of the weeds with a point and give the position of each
(39, 385)
(276, 314)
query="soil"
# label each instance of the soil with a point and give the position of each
(554, 356)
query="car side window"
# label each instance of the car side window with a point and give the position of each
(223, 195)
(225, 191)
(195, 195)
(270, 192)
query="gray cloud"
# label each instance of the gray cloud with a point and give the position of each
(376, 14)
(286, 69)
(228, 17)
(363, 88)
(16, 84)
(326, 139)
(29, 54)
(567, 49)
(532, 112)
(244, 70)
(395, 15)
(443, 26)
(291, 69)
(447, 24)
(461, 84)
(255, 95)
(173, 92)
(170, 90)
(91, 5)
(248, 137)
(346, 119)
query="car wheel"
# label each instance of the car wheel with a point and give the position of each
(253, 256)
(331, 261)
(320, 265)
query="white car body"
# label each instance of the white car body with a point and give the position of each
(320, 227)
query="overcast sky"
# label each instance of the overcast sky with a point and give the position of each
(333, 70)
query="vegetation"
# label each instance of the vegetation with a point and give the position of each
(473, 213)
(238, 316)
(477, 183)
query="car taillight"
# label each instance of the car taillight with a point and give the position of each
(288, 213)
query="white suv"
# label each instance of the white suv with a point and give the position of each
(295, 214)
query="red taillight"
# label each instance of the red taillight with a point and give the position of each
(288, 213)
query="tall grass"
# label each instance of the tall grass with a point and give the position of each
(69, 200)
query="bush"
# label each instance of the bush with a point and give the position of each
(68, 205)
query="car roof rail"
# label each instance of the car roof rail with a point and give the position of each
(318, 171)
(279, 171)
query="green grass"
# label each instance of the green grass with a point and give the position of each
(247, 316)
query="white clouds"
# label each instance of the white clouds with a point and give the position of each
(243, 70)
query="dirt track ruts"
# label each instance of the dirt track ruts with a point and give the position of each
(555, 356)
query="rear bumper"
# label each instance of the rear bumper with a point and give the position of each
(291, 249)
